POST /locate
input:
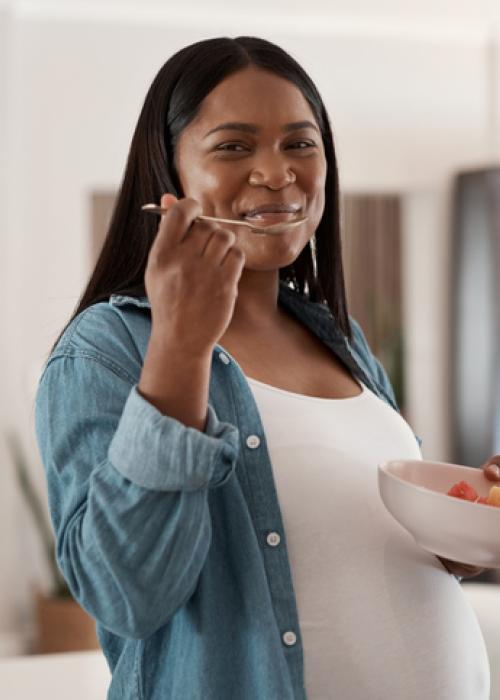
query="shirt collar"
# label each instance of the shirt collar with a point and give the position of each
(288, 296)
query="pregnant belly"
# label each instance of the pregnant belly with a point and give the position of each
(379, 616)
(393, 623)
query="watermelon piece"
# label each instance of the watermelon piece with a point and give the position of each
(463, 490)
(467, 492)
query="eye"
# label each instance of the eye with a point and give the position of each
(300, 145)
(231, 147)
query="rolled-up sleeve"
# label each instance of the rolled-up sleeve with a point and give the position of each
(128, 491)
(195, 459)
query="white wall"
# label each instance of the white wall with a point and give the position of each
(408, 108)
(12, 573)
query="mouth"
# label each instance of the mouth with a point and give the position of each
(267, 214)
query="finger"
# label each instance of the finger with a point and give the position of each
(468, 571)
(492, 472)
(491, 468)
(200, 233)
(234, 262)
(460, 569)
(167, 200)
(218, 244)
(175, 223)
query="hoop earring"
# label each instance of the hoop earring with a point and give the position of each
(312, 246)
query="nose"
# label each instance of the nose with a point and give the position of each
(272, 171)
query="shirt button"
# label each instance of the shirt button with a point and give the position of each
(273, 539)
(253, 441)
(289, 638)
(224, 358)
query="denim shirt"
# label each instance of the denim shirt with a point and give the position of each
(166, 535)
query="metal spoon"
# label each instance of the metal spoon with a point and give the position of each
(279, 227)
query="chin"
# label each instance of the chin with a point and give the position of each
(269, 263)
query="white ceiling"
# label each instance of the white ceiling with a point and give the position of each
(447, 14)
(460, 22)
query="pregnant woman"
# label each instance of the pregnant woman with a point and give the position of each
(211, 420)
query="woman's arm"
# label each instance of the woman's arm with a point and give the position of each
(127, 491)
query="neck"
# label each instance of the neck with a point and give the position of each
(257, 301)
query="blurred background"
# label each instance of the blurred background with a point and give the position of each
(413, 93)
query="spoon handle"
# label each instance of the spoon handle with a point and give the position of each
(225, 221)
(271, 228)
(154, 209)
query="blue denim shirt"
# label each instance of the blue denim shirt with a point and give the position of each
(162, 531)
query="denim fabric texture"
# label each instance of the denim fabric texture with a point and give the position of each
(161, 529)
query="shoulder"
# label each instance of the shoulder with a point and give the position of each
(106, 333)
(359, 341)
(372, 364)
(361, 348)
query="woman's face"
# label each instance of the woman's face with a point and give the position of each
(255, 143)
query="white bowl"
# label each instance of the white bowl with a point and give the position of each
(415, 493)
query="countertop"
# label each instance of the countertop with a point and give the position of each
(82, 675)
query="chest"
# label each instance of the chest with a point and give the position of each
(294, 360)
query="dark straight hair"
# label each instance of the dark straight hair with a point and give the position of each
(172, 102)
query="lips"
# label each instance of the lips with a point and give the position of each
(270, 208)
(271, 213)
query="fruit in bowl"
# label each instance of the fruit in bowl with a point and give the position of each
(460, 529)
(464, 490)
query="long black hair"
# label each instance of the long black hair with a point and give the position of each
(171, 103)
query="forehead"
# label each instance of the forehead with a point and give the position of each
(254, 95)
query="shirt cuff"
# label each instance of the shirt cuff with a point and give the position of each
(159, 452)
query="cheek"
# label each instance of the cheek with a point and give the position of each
(316, 188)
(313, 174)
(320, 176)
(207, 186)
(197, 180)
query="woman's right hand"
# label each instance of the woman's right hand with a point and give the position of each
(191, 277)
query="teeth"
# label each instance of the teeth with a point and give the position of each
(254, 215)
(264, 214)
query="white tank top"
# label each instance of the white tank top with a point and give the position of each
(379, 616)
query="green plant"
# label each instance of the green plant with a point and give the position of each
(59, 586)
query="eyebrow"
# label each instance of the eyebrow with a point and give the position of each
(253, 129)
